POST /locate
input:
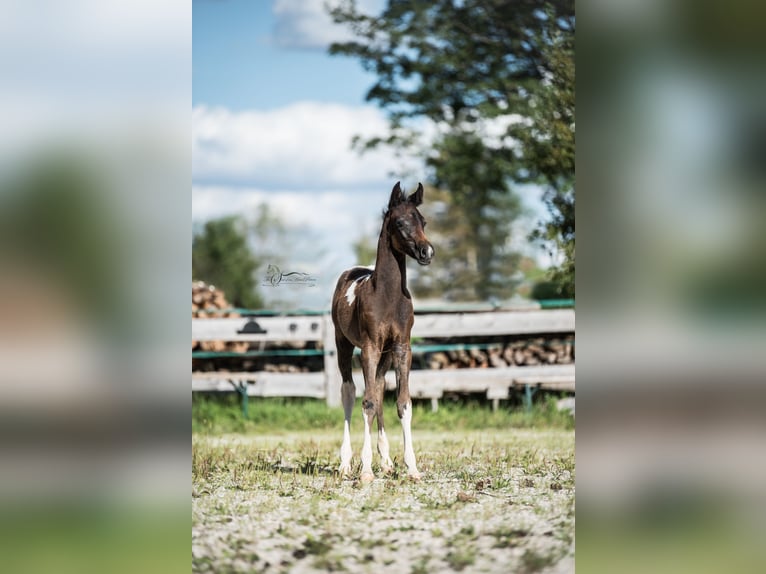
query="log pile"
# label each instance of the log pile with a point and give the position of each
(534, 351)
(476, 352)
(209, 302)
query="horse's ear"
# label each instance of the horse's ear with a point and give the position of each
(396, 196)
(417, 197)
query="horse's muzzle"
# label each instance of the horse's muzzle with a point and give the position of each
(425, 254)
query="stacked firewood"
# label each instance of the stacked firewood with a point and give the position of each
(259, 364)
(534, 351)
(209, 302)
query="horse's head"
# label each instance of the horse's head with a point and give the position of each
(406, 225)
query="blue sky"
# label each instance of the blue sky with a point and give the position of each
(245, 56)
(273, 117)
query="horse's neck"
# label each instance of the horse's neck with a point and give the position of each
(390, 267)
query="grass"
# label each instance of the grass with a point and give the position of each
(497, 493)
(222, 414)
(275, 502)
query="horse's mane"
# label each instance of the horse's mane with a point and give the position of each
(358, 272)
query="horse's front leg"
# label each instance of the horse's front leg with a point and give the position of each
(370, 360)
(403, 361)
(348, 397)
(386, 464)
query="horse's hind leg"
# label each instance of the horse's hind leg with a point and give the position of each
(386, 464)
(402, 363)
(348, 397)
(370, 360)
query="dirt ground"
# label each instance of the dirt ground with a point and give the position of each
(499, 501)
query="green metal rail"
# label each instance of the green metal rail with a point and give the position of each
(456, 308)
(416, 349)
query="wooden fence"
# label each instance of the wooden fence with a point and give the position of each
(496, 383)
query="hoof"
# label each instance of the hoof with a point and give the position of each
(415, 476)
(344, 470)
(386, 469)
(367, 477)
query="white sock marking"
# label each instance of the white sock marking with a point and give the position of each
(409, 451)
(345, 449)
(384, 450)
(348, 396)
(366, 448)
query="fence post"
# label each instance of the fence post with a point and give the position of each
(242, 390)
(331, 372)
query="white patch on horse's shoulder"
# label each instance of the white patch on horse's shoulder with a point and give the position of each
(351, 291)
(350, 296)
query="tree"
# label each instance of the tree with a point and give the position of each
(221, 256)
(461, 262)
(475, 221)
(496, 80)
(548, 146)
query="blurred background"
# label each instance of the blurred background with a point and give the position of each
(671, 328)
(94, 218)
(94, 175)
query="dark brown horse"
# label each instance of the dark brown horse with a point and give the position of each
(372, 310)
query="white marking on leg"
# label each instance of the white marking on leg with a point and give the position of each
(348, 397)
(345, 451)
(409, 451)
(386, 464)
(367, 474)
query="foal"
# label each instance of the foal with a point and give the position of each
(372, 310)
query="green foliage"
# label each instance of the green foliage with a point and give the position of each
(444, 59)
(546, 290)
(471, 68)
(549, 147)
(221, 256)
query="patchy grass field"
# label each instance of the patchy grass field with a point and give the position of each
(499, 500)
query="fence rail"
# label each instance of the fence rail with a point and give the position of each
(497, 383)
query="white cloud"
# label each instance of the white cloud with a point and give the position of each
(306, 24)
(298, 160)
(306, 145)
(325, 210)
(322, 225)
